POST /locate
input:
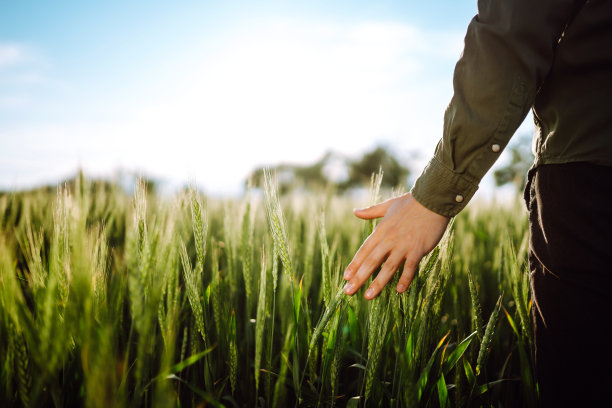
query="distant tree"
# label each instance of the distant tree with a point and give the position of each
(361, 170)
(290, 177)
(515, 172)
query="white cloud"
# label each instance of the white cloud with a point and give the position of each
(22, 74)
(278, 91)
(13, 54)
(292, 90)
(13, 101)
(32, 78)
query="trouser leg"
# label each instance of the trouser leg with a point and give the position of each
(571, 279)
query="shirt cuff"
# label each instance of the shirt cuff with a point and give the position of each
(443, 191)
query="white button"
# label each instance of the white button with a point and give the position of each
(459, 198)
(495, 148)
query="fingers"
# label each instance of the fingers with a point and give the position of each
(410, 267)
(375, 211)
(407, 231)
(384, 276)
(362, 254)
(375, 258)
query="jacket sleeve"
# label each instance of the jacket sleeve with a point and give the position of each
(509, 50)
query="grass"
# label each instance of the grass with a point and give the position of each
(108, 299)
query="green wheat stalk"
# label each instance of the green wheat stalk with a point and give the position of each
(485, 346)
(260, 322)
(476, 308)
(194, 291)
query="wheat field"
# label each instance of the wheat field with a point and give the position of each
(137, 300)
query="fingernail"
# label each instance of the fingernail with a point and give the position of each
(369, 293)
(401, 287)
(348, 289)
(347, 274)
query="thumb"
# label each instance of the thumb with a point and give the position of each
(375, 211)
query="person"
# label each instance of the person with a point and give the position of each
(555, 58)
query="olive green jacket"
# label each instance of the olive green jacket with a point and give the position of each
(552, 56)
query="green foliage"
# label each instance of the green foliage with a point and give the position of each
(112, 300)
(379, 158)
(353, 172)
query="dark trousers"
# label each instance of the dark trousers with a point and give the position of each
(570, 218)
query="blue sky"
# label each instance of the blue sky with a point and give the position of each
(209, 90)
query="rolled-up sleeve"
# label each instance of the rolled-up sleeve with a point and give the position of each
(509, 49)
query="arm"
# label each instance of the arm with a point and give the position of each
(509, 49)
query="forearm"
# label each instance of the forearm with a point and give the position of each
(509, 49)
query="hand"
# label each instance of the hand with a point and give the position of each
(407, 232)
